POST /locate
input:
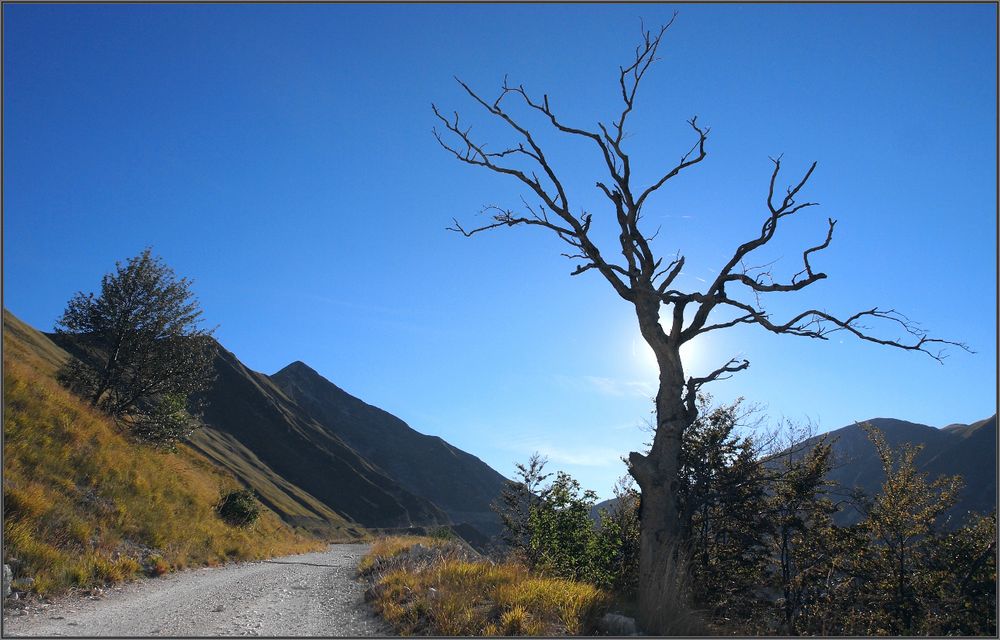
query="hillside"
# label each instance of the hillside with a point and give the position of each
(85, 505)
(325, 461)
(254, 429)
(413, 459)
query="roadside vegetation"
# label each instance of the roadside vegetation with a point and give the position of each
(762, 552)
(433, 586)
(87, 504)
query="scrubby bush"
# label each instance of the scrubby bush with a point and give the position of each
(240, 508)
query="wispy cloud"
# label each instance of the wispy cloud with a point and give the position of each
(590, 457)
(565, 453)
(615, 387)
(608, 386)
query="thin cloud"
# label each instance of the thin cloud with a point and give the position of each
(563, 453)
(615, 387)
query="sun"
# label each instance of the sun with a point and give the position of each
(644, 361)
(643, 358)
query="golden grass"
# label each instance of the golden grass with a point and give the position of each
(84, 506)
(452, 597)
(388, 547)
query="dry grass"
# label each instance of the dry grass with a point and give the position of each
(83, 505)
(389, 547)
(452, 596)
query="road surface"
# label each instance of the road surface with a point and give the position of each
(312, 594)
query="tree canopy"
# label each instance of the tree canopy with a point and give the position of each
(141, 349)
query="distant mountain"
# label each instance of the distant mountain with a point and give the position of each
(254, 429)
(969, 450)
(966, 450)
(458, 482)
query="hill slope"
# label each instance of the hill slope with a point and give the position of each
(84, 505)
(320, 458)
(253, 428)
(417, 461)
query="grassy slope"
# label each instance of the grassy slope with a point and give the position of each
(84, 505)
(295, 505)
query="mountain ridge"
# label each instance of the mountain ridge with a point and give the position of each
(969, 450)
(957, 449)
(391, 444)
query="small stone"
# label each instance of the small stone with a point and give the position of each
(23, 584)
(613, 624)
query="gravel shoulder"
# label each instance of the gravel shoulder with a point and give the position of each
(312, 594)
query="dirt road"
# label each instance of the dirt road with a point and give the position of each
(312, 594)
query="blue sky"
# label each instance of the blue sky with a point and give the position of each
(282, 158)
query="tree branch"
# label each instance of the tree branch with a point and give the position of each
(694, 384)
(818, 324)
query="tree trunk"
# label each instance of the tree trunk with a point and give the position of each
(657, 476)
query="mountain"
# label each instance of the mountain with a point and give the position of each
(249, 423)
(415, 460)
(969, 450)
(966, 450)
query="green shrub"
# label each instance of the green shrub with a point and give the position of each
(240, 508)
(549, 527)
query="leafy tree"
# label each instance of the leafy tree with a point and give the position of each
(827, 587)
(722, 511)
(514, 506)
(563, 538)
(142, 352)
(958, 583)
(802, 530)
(647, 281)
(619, 538)
(901, 520)
(549, 526)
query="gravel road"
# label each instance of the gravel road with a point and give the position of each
(312, 594)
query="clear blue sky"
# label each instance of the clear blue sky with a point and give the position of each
(281, 157)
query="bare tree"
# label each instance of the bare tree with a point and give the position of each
(647, 281)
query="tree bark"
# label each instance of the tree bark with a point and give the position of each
(657, 476)
(659, 537)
